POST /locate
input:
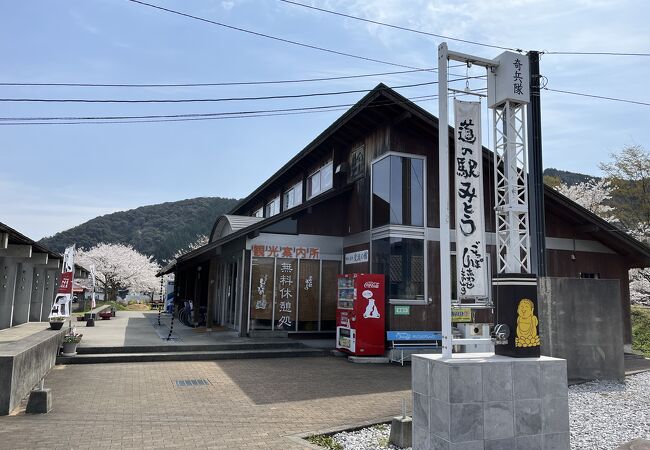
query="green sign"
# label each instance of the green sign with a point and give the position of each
(402, 310)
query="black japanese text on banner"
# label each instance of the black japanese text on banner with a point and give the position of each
(471, 260)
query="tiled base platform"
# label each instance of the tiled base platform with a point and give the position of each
(480, 401)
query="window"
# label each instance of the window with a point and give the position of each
(273, 207)
(401, 260)
(320, 181)
(287, 294)
(293, 196)
(398, 191)
(258, 212)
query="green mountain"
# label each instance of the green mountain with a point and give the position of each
(156, 230)
(566, 177)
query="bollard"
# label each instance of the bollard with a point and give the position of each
(401, 429)
(171, 326)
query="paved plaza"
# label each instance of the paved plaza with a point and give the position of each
(254, 403)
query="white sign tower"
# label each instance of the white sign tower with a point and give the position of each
(508, 93)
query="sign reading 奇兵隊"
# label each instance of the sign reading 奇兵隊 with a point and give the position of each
(471, 263)
(282, 251)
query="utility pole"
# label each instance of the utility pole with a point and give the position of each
(536, 170)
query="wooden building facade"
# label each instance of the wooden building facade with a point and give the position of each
(363, 197)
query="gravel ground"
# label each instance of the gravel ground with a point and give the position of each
(603, 415)
(366, 439)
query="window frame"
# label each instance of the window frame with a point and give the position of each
(425, 256)
(403, 231)
(319, 172)
(424, 188)
(297, 194)
(259, 212)
(275, 201)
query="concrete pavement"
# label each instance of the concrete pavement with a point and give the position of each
(246, 404)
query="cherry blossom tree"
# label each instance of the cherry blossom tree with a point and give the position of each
(119, 266)
(592, 195)
(200, 241)
(628, 171)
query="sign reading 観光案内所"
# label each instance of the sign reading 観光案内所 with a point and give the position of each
(356, 257)
(471, 263)
(282, 251)
(402, 310)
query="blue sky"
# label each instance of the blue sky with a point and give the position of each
(53, 177)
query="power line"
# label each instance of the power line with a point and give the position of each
(397, 27)
(635, 102)
(203, 116)
(228, 83)
(596, 53)
(212, 100)
(251, 113)
(275, 38)
(466, 41)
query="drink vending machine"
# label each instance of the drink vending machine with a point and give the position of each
(360, 314)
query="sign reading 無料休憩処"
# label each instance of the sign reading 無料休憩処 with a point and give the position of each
(282, 251)
(356, 257)
(471, 264)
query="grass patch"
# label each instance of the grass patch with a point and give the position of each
(138, 307)
(641, 329)
(118, 307)
(325, 441)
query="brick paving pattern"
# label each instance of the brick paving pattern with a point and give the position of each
(248, 404)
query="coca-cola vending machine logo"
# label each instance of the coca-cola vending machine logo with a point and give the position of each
(371, 285)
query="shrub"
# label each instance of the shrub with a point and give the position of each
(641, 329)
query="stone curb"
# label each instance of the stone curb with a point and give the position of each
(301, 438)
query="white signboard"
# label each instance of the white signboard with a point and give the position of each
(471, 262)
(283, 251)
(356, 257)
(510, 80)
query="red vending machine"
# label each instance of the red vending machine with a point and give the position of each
(360, 324)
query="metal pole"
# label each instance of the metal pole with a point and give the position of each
(443, 192)
(536, 170)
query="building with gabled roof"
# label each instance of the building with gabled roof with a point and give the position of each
(367, 188)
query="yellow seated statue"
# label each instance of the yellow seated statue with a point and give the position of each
(526, 335)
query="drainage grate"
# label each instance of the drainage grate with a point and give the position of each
(185, 383)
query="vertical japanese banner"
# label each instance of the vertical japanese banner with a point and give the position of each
(67, 272)
(92, 276)
(471, 264)
(285, 295)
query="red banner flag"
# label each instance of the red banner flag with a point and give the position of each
(65, 287)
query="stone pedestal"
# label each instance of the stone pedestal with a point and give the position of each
(485, 401)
